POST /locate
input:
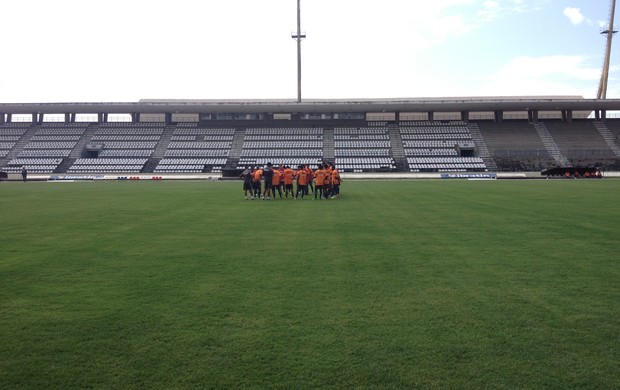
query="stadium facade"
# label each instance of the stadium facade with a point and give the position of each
(364, 135)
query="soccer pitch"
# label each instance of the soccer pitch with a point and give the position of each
(397, 284)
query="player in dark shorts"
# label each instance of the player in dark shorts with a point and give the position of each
(246, 176)
(319, 179)
(277, 183)
(268, 176)
(302, 182)
(257, 174)
(289, 174)
(336, 180)
(310, 179)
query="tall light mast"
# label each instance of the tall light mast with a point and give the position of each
(610, 31)
(298, 36)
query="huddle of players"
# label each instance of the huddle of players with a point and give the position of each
(324, 181)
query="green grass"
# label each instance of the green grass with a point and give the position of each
(397, 284)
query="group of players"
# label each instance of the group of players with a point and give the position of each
(324, 182)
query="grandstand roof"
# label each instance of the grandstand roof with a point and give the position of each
(454, 104)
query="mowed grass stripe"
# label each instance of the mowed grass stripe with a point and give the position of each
(457, 284)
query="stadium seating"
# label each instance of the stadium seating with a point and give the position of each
(45, 149)
(107, 165)
(286, 146)
(121, 139)
(432, 146)
(196, 149)
(363, 149)
(415, 146)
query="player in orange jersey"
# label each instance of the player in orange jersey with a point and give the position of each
(310, 177)
(276, 183)
(302, 182)
(281, 170)
(327, 182)
(289, 174)
(336, 180)
(257, 175)
(319, 180)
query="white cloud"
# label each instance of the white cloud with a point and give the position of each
(550, 75)
(574, 15)
(489, 10)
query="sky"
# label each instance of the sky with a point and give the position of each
(127, 50)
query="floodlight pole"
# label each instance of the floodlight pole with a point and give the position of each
(610, 31)
(299, 36)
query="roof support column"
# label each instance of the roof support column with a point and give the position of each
(397, 117)
(567, 116)
(9, 118)
(37, 117)
(168, 118)
(532, 116)
(465, 116)
(499, 116)
(2, 121)
(431, 116)
(69, 117)
(135, 117)
(102, 117)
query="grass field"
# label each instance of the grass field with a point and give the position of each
(397, 284)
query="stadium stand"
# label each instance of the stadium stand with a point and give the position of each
(580, 142)
(196, 149)
(361, 146)
(121, 147)
(433, 146)
(284, 146)
(107, 165)
(46, 148)
(515, 146)
(363, 149)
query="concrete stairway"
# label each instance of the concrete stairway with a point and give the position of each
(608, 136)
(164, 142)
(551, 146)
(328, 145)
(235, 149)
(81, 144)
(481, 146)
(397, 150)
(23, 141)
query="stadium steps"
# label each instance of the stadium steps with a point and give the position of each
(328, 144)
(481, 145)
(164, 142)
(551, 146)
(23, 141)
(235, 149)
(78, 150)
(609, 138)
(150, 165)
(397, 151)
(65, 165)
